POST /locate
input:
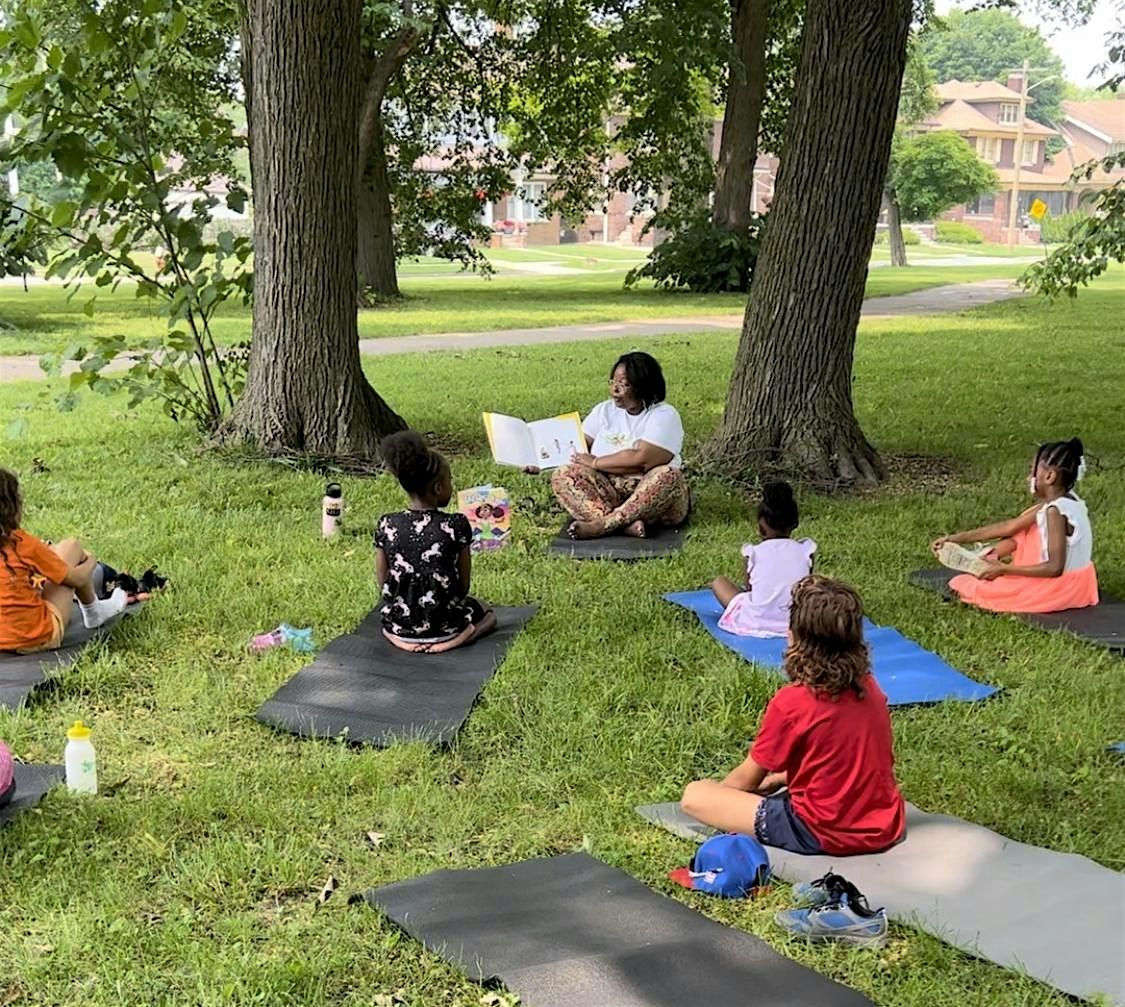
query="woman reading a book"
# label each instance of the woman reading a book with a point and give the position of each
(630, 475)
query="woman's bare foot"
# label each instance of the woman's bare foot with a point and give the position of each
(634, 530)
(586, 529)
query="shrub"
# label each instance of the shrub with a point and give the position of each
(1053, 230)
(909, 237)
(956, 233)
(703, 258)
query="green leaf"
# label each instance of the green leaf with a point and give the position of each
(88, 307)
(50, 364)
(27, 32)
(178, 26)
(63, 214)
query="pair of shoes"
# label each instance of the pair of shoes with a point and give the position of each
(833, 909)
(299, 640)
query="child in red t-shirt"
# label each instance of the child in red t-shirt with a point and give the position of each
(38, 582)
(819, 777)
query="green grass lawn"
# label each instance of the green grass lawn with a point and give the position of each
(47, 320)
(193, 879)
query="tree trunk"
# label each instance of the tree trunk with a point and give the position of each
(894, 230)
(738, 146)
(375, 259)
(305, 389)
(375, 262)
(790, 400)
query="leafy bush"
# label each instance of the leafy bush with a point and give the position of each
(703, 258)
(909, 237)
(956, 233)
(1053, 230)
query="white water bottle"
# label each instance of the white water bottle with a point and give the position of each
(81, 762)
(332, 510)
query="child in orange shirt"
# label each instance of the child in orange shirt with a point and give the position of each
(38, 582)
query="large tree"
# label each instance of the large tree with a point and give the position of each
(988, 45)
(790, 400)
(305, 389)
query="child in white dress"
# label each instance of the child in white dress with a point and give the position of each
(773, 566)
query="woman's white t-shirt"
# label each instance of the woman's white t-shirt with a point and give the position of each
(1080, 542)
(615, 429)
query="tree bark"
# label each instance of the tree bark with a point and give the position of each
(738, 146)
(375, 260)
(894, 230)
(305, 389)
(790, 406)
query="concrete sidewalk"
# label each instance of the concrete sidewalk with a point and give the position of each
(935, 300)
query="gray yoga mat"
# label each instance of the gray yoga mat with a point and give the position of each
(364, 690)
(1102, 624)
(32, 783)
(1059, 917)
(570, 931)
(21, 674)
(658, 542)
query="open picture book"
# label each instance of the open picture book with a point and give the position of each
(957, 557)
(545, 444)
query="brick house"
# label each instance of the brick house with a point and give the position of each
(986, 114)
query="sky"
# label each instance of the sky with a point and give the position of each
(1080, 49)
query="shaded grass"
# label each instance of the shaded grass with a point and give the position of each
(46, 320)
(195, 881)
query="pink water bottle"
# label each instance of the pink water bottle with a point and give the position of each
(332, 510)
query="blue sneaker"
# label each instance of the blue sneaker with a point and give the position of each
(820, 892)
(837, 921)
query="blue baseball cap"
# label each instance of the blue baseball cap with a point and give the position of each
(731, 866)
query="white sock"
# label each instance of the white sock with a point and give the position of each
(101, 610)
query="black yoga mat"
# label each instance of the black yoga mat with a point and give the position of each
(21, 674)
(364, 690)
(659, 541)
(570, 931)
(1102, 624)
(32, 782)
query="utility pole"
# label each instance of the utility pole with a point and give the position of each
(1017, 158)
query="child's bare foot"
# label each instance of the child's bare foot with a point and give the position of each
(634, 530)
(586, 529)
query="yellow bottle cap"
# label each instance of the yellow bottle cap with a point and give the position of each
(79, 732)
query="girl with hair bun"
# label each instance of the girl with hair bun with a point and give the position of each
(761, 607)
(1049, 546)
(423, 565)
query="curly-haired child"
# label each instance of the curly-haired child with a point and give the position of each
(819, 777)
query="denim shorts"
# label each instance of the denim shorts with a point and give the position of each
(776, 824)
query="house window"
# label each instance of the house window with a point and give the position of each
(1009, 114)
(988, 149)
(983, 206)
(1030, 151)
(532, 196)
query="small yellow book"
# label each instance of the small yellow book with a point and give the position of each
(963, 560)
(545, 444)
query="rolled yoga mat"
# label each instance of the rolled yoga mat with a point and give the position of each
(1058, 917)
(32, 783)
(570, 931)
(365, 690)
(905, 671)
(658, 542)
(1102, 624)
(21, 674)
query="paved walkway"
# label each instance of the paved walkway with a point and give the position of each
(933, 301)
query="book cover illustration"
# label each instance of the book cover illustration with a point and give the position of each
(489, 514)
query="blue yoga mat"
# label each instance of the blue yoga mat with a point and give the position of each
(905, 671)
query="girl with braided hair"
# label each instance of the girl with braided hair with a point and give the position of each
(1049, 547)
(423, 566)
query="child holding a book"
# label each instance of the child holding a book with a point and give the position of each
(761, 607)
(819, 778)
(423, 565)
(1049, 547)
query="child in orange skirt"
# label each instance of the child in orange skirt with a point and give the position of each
(1050, 544)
